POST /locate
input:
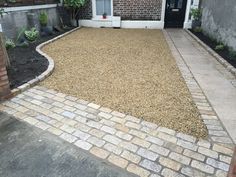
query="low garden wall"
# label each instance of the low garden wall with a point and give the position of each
(17, 18)
(218, 20)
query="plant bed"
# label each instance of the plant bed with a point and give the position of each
(224, 53)
(26, 62)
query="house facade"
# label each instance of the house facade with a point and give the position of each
(137, 13)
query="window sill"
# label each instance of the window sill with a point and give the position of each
(108, 19)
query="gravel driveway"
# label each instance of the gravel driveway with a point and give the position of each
(131, 71)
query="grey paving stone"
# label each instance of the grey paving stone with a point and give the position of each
(83, 144)
(112, 139)
(129, 146)
(155, 140)
(96, 141)
(208, 152)
(166, 130)
(68, 137)
(131, 156)
(186, 144)
(159, 150)
(150, 165)
(132, 119)
(192, 172)
(147, 154)
(81, 113)
(105, 115)
(217, 164)
(81, 135)
(202, 167)
(43, 118)
(68, 114)
(108, 129)
(124, 136)
(170, 173)
(94, 124)
(186, 137)
(113, 148)
(180, 158)
(194, 155)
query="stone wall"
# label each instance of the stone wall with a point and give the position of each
(13, 22)
(219, 20)
(129, 9)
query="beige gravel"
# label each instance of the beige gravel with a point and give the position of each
(131, 71)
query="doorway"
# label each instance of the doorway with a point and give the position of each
(175, 13)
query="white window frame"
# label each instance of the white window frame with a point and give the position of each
(99, 17)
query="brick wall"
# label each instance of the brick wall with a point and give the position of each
(4, 83)
(129, 9)
(137, 9)
(86, 11)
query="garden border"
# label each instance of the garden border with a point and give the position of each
(220, 59)
(48, 71)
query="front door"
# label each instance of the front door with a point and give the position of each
(175, 13)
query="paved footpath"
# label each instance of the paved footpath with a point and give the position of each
(140, 147)
(216, 82)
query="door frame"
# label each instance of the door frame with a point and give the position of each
(186, 24)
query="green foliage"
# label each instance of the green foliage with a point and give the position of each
(220, 47)
(9, 44)
(32, 34)
(43, 18)
(197, 29)
(2, 12)
(20, 34)
(196, 14)
(232, 54)
(74, 5)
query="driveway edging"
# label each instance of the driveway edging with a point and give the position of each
(220, 59)
(46, 73)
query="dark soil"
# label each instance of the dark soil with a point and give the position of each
(26, 62)
(212, 44)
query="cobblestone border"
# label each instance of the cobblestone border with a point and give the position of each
(226, 64)
(46, 73)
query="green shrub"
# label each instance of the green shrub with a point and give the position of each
(43, 18)
(32, 35)
(2, 11)
(196, 14)
(232, 54)
(9, 44)
(220, 47)
(197, 30)
(74, 6)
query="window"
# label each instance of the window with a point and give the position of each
(103, 6)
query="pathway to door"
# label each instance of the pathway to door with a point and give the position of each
(216, 82)
(138, 146)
